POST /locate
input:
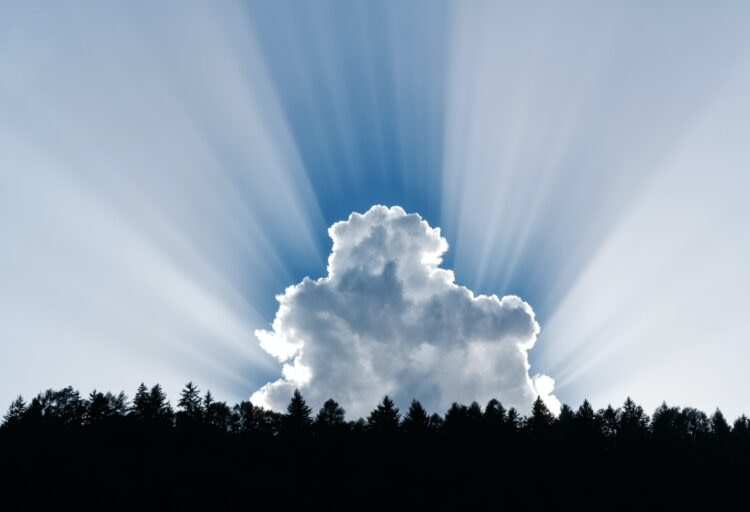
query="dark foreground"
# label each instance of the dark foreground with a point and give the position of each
(64, 452)
(178, 471)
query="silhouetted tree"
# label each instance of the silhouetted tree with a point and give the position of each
(97, 408)
(741, 428)
(160, 413)
(665, 423)
(565, 425)
(494, 417)
(256, 420)
(541, 419)
(63, 407)
(696, 424)
(190, 413)
(435, 423)
(140, 407)
(474, 418)
(15, 413)
(608, 420)
(330, 417)
(416, 421)
(298, 415)
(586, 421)
(385, 418)
(512, 421)
(719, 426)
(456, 422)
(216, 415)
(632, 422)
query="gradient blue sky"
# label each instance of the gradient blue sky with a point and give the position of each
(167, 168)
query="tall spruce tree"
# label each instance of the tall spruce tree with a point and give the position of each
(416, 420)
(541, 419)
(297, 419)
(15, 413)
(384, 419)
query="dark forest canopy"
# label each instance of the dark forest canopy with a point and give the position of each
(150, 409)
(207, 452)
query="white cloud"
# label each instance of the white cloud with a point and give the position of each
(388, 320)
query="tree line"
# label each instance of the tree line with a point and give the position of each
(207, 452)
(150, 409)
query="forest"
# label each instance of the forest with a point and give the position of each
(105, 451)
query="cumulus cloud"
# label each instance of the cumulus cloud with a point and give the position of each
(388, 320)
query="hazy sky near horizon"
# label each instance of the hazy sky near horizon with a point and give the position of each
(168, 168)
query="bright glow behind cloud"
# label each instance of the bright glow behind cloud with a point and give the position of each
(388, 320)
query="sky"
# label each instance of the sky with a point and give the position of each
(168, 168)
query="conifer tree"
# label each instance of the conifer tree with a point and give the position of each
(512, 420)
(298, 415)
(139, 408)
(385, 418)
(191, 409)
(159, 409)
(15, 413)
(719, 426)
(494, 416)
(416, 420)
(541, 418)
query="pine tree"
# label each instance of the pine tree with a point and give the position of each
(416, 421)
(97, 409)
(160, 411)
(719, 426)
(456, 420)
(608, 420)
(565, 424)
(119, 404)
(494, 416)
(512, 421)
(298, 415)
(633, 422)
(586, 422)
(15, 413)
(385, 418)
(190, 401)
(541, 418)
(191, 409)
(140, 408)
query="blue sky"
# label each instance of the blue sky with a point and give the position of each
(167, 168)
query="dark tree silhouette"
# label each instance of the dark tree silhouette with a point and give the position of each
(159, 411)
(565, 425)
(191, 408)
(298, 416)
(385, 418)
(719, 426)
(140, 402)
(331, 416)
(494, 417)
(587, 424)
(256, 420)
(102, 409)
(632, 425)
(416, 421)
(541, 419)
(609, 420)
(741, 428)
(15, 414)
(512, 421)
